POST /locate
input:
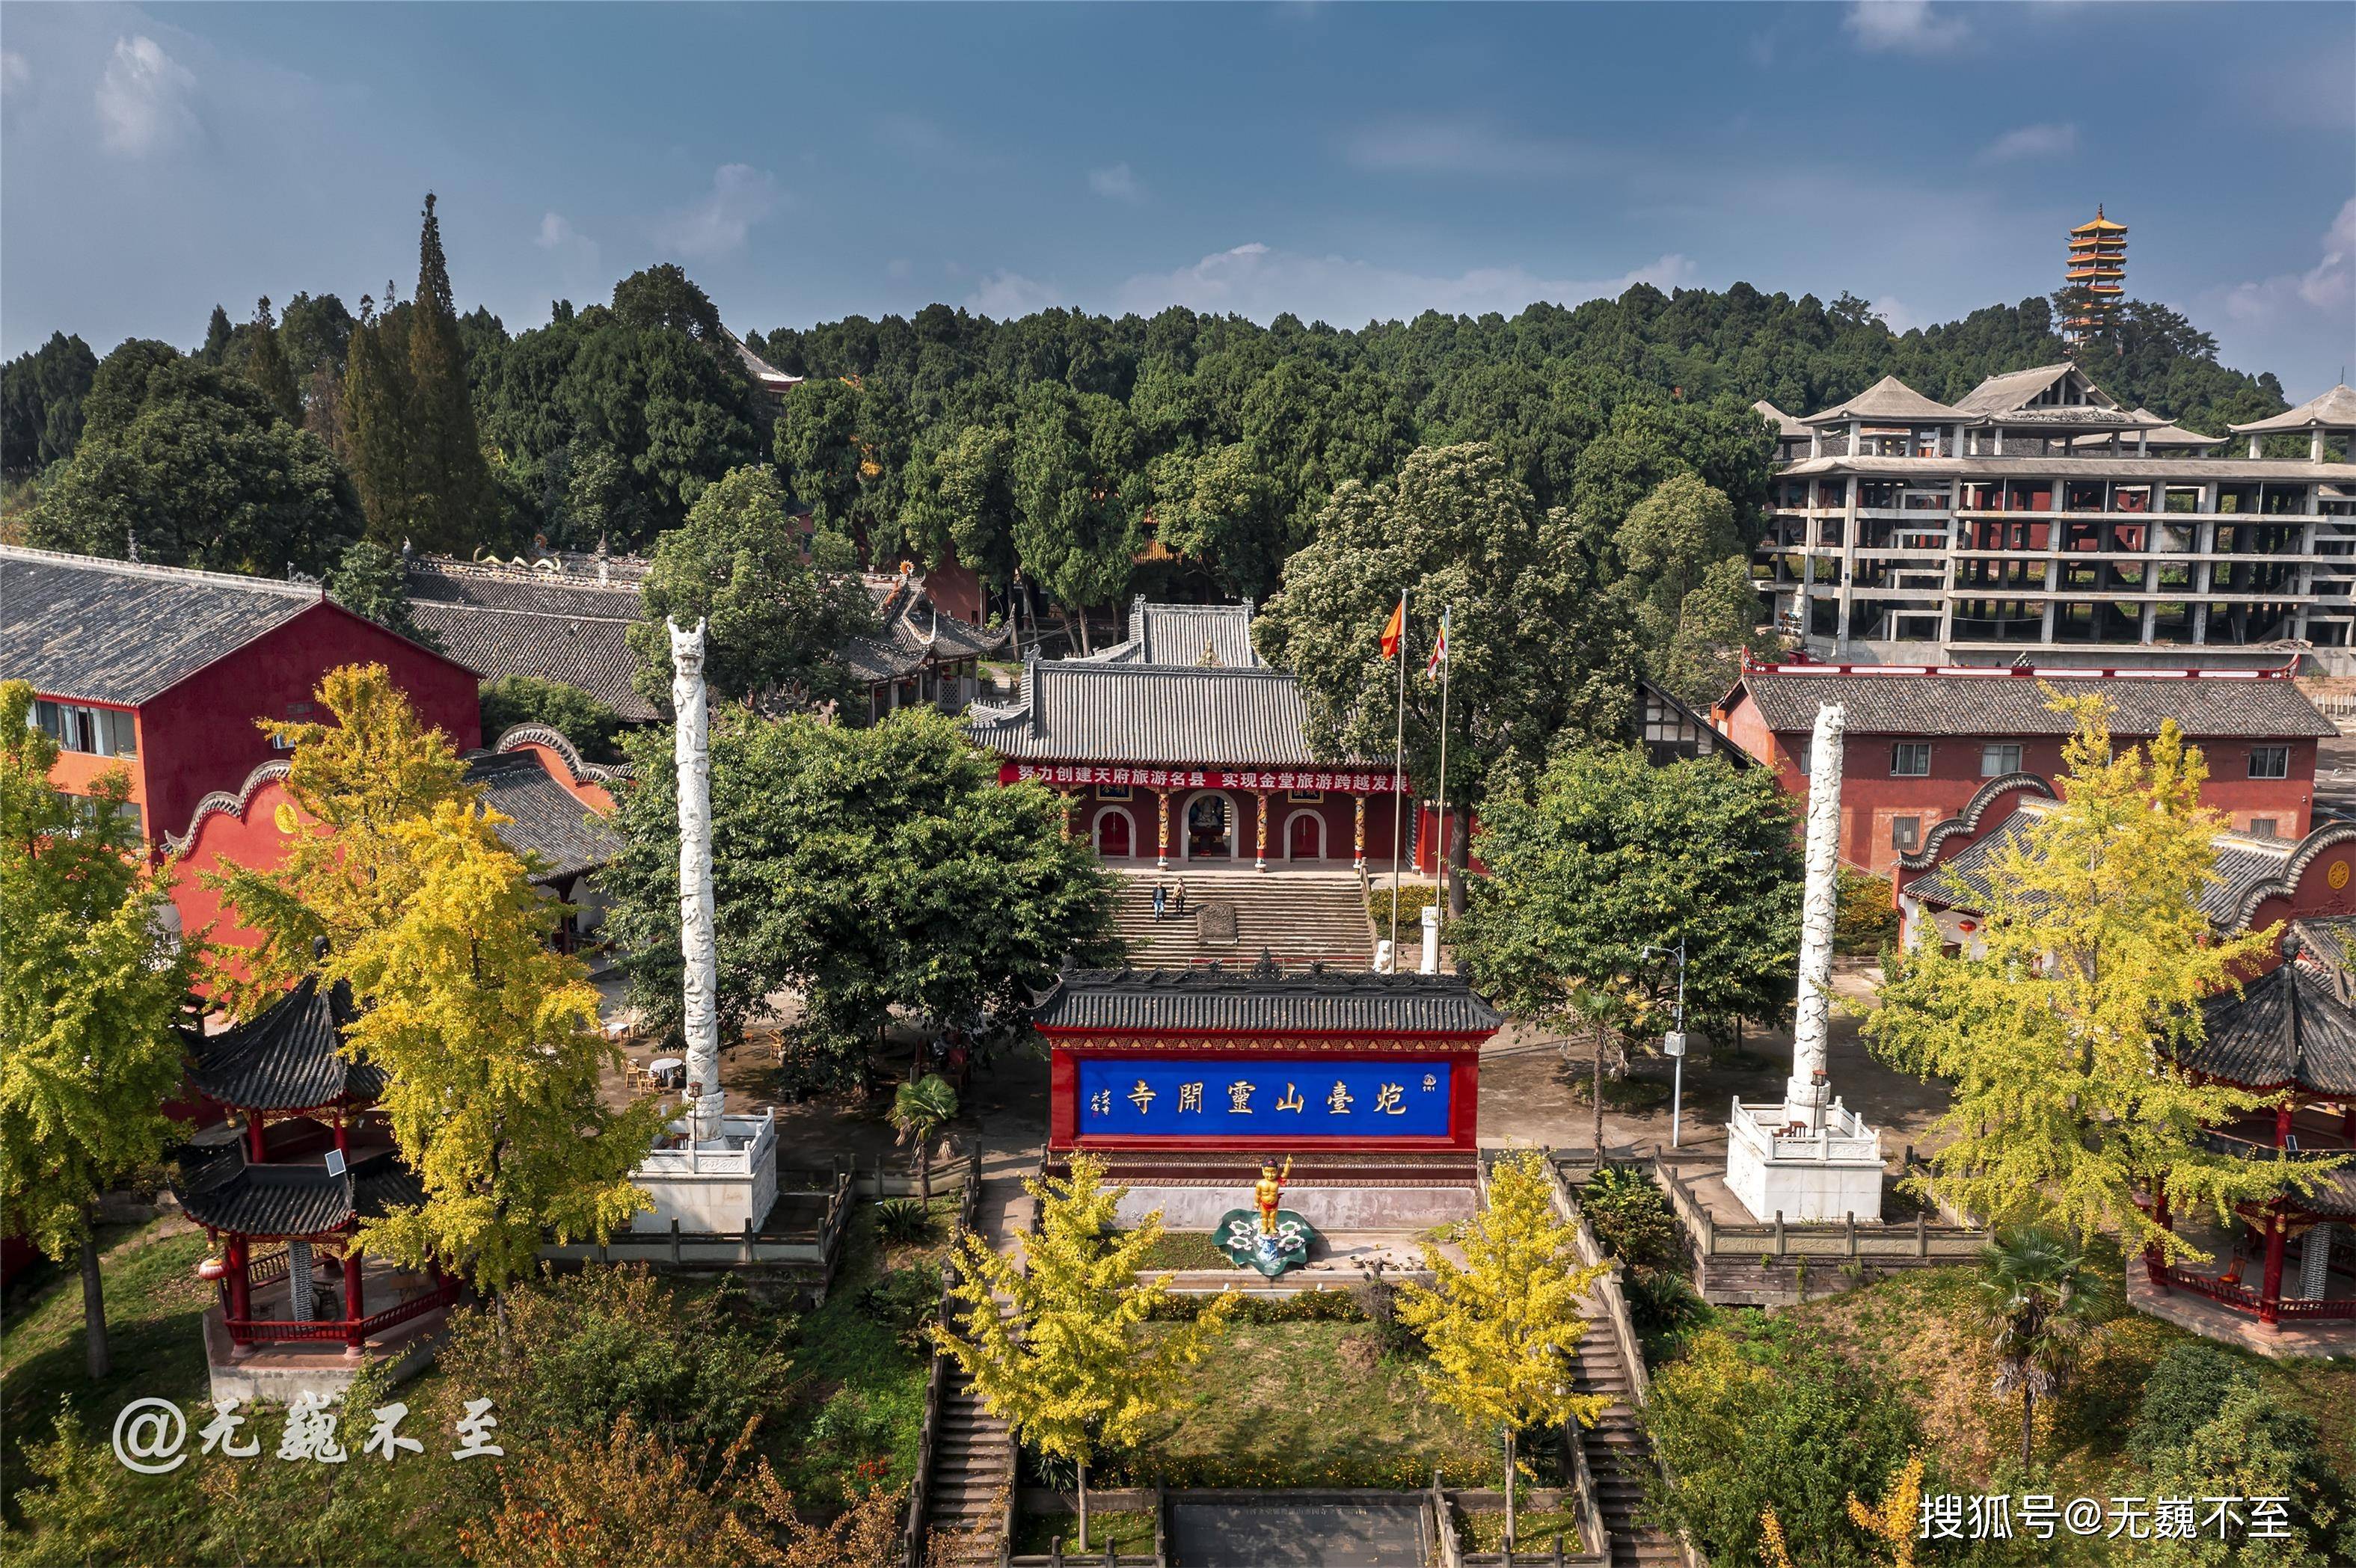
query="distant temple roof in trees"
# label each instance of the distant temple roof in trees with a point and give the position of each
(1261, 999)
(1887, 398)
(122, 632)
(914, 632)
(1083, 711)
(563, 616)
(287, 1057)
(220, 1189)
(2286, 1030)
(1212, 636)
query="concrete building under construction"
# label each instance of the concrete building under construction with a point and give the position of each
(2036, 515)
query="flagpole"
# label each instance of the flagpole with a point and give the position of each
(1440, 826)
(1399, 780)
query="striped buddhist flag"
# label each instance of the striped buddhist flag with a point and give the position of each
(1439, 649)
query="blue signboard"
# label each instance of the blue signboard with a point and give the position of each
(1231, 1099)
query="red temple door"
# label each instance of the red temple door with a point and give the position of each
(1303, 841)
(1113, 835)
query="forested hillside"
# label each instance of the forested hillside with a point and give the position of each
(1185, 454)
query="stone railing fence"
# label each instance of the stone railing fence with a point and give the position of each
(1845, 1239)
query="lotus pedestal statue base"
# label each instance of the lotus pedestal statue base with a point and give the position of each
(1240, 1238)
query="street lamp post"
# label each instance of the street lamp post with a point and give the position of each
(1674, 1046)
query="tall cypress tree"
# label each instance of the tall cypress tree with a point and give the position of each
(217, 339)
(450, 485)
(266, 366)
(375, 405)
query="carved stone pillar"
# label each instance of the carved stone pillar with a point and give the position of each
(1259, 862)
(1161, 830)
(1358, 833)
(698, 942)
(1807, 1093)
(298, 1281)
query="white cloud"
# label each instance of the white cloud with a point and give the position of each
(2329, 285)
(1459, 148)
(897, 269)
(1259, 282)
(717, 223)
(1117, 182)
(574, 249)
(1006, 295)
(15, 70)
(143, 98)
(1908, 27)
(2032, 142)
(1896, 314)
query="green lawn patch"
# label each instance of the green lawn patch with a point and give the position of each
(1128, 1532)
(1534, 1530)
(1309, 1404)
(1187, 1250)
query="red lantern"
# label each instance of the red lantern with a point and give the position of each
(1967, 926)
(214, 1267)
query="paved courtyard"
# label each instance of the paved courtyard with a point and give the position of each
(1360, 1533)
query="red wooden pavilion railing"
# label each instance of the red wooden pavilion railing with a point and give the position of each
(247, 1330)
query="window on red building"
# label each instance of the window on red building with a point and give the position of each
(1997, 760)
(1911, 760)
(2270, 762)
(1906, 834)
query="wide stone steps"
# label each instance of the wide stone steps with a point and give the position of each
(1296, 917)
(972, 1471)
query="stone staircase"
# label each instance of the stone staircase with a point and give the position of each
(1297, 916)
(1618, 1453)
(973, 1460)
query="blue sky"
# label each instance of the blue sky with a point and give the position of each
(1341, 162)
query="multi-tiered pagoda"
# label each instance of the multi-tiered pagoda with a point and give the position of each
(2097, 279)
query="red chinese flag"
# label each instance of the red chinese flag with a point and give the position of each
(1394, 630)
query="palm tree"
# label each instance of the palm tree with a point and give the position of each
(2042, 1295)
(921, 1110)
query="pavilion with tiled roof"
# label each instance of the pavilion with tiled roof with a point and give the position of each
(918, 653)
(315, 1161)
(2290, 1034)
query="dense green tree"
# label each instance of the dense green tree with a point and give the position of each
(368, 580)
(218, 334)
(1751, 1418)
(867, 869)
(665, 297)
(664, 405)
(1534, 650)
(448, 498)
(2252, 1445)
(265, 364)
(192, 462)
(372, 411)
(92, 986)
(775, 627)
(514, 699)
(603, 504)
(1604, 854)
(1222, 512)
(818, 449)
(1717, 622)
(1689, 584)
(1079, 492)
(961, 498)
(42, 394)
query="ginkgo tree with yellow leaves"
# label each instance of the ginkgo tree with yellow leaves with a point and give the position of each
(488, 1036)
(1055, 1338)
(2061, 1037)
(1504, 1329)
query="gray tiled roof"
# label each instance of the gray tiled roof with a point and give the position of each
(1075, 710)
(1966, 882)
(113, 631)
(2011, 391)
(1887, 398)
(2335, 410)
(1999, 703)
(1260, 1000)
(549, 821)
(1786, 425)
(510, 621)
(2286, 1030)
(1190, 635)
(287, 1057)
(220, 1190)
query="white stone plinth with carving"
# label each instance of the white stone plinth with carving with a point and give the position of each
(719, 1184)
